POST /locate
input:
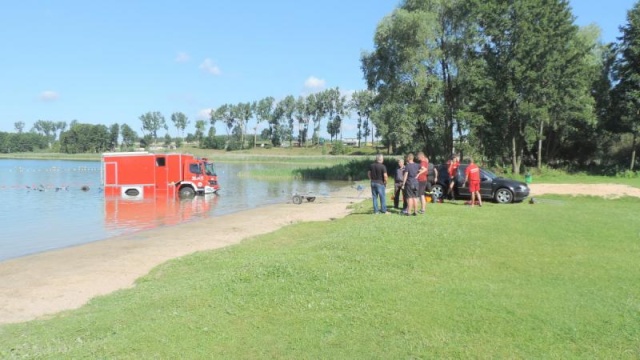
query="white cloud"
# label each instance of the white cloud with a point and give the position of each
(182, 57)
(49, 96)
(314, 84)
(204, 114)
(209, 67)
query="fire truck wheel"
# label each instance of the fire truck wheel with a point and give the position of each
(187, 192)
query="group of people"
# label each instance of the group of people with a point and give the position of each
(414, 179)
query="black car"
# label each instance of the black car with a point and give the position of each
(492, 186)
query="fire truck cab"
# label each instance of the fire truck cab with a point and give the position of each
(138, 175)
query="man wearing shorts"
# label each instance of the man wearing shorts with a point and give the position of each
(410, 185)
(472, 175)
(422, 181)
(453, 172)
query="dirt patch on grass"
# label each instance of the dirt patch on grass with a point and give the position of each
(610, 191)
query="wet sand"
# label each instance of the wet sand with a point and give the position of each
(38, 285)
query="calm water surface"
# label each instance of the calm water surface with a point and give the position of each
(44, 207)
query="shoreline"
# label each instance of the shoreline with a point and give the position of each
(42, 284)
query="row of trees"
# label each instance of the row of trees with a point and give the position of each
(511, 81)
(295, 119)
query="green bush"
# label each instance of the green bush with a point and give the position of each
(339, 148)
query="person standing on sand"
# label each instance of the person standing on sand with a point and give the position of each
(378, 176)
(398, 179)
(410, 186)
(472, 174)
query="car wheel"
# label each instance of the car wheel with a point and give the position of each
(437, 191)
(187, 192)
(503, 196)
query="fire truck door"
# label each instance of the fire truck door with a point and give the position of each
(161, 174)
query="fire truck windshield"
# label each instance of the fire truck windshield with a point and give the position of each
(208, 168)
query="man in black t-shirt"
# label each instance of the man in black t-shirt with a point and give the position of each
(410, 185)
(378, 176)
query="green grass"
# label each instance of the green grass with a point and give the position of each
(558, 279)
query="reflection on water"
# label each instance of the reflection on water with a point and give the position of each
(134, 215)
(43, 205)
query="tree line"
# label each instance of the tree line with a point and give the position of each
(515, 83)
(287, 121)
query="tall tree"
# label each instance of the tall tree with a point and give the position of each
(129, 136)
(244, 113)
(263, 112)
(289, 109)
(276, 128)
(227, 114)
(152, 122)
(417, 71)
(46, 128)
(114, 134)
(533, 57)
(315, 111)
(19, 126)
(362, 103)
(300, 114)
(333, 128)
(626, 94)
(180, 121)
(201, 125)
(341, 109)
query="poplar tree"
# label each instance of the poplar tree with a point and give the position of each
(535, 74)
(626, 93)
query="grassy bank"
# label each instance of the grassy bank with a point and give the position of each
(553, 280)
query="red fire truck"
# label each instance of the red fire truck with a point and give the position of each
(139, 175)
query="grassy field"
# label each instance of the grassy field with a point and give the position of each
(558, 279)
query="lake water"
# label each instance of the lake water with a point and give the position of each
(44, 207)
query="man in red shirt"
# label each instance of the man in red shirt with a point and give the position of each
(422, 180)
(453, 172)
(472, 175)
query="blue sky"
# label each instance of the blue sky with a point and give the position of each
(105, 62)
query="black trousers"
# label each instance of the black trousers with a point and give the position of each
(396, 197)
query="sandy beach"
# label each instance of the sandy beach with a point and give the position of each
(35, 286)
(38, 285)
